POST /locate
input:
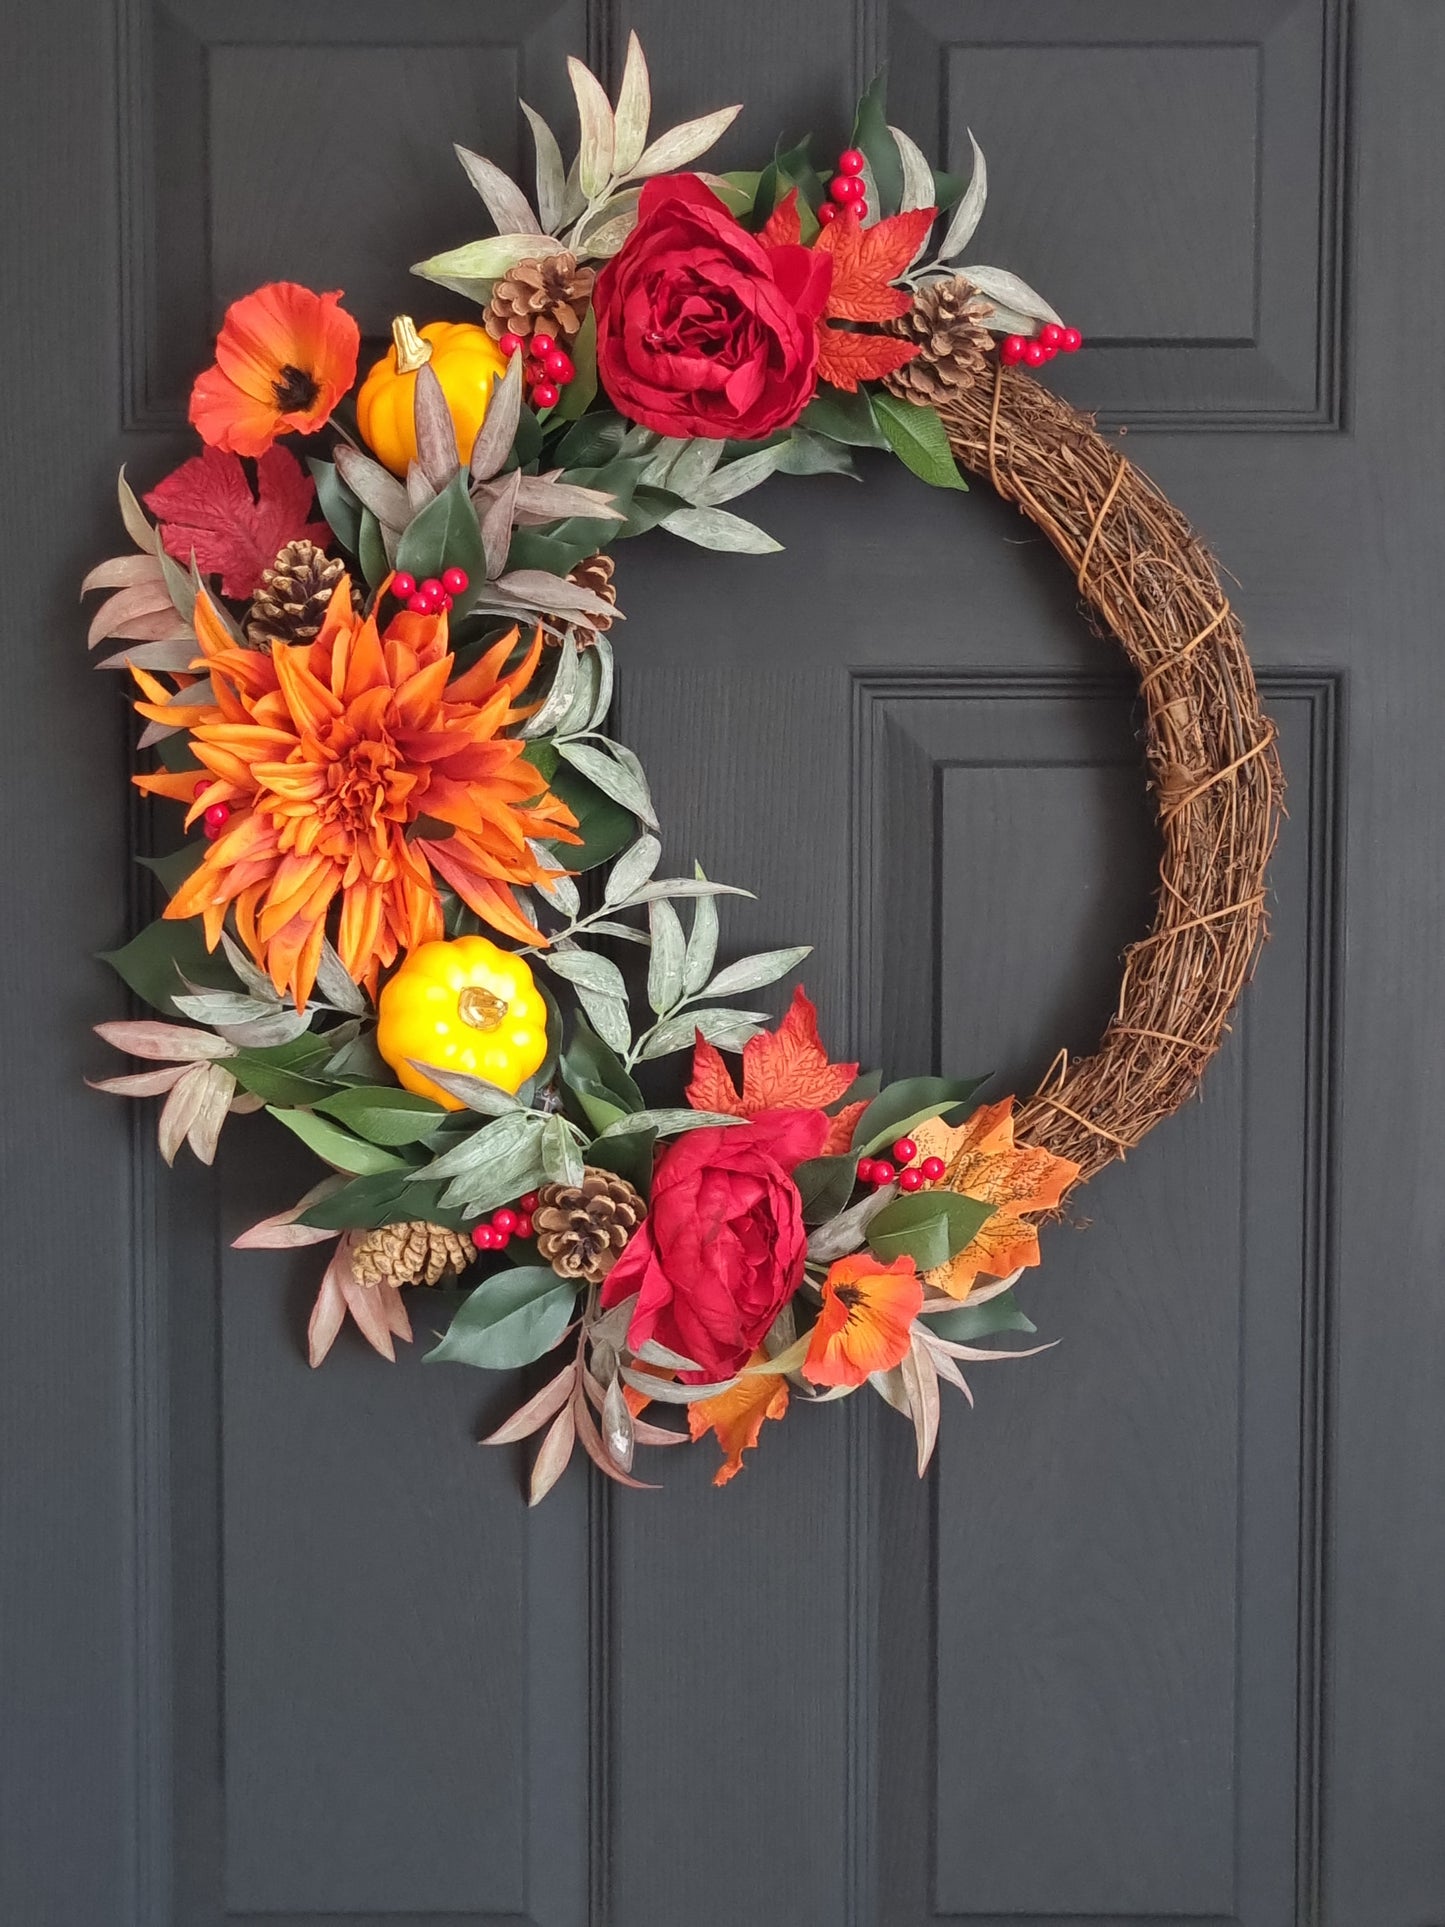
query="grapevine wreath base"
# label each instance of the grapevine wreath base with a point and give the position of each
(379, 690)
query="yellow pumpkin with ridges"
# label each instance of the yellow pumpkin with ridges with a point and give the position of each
(462, 1005)
(465, 360)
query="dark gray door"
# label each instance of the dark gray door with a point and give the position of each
(1159, 1639)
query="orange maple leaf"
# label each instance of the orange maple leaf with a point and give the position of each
(783, 1070)
(737, 1414)
(983, 1162)
(783, 227)
(845, 359)
(866, 260)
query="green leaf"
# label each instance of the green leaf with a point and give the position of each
(340, 507)
(901, 1105)
(806, 453)
(919, 440)
(371, 551)
(591, 442)
(390, 1198)
(173, 869)
(581, 391)
(825, 1185)
(511, 1318)
(604, 825)
(871, 133)
(927, 1226)
(610, 775)
(287, 1074)
(338, 1147)
(445, 535)
(1001, 1314)
(595, 1075)
(630, 1155)
(384, 1116)
(844, 418)
(155, 962)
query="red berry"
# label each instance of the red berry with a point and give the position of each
(1035, 354)
(202, 786)
(851, 161)
(524, 1224)
(403, 585)
(504, 1220)
(484, 1237)
(1051, 335)
(534, 371)
(911, 1179)
(860, 208)
(510, 343)
(827, 212)
(455, 581)
(546, 394)
(905, 1150)
(419, 604)
(543, 345)
(1012, 349)
(432, 586)
(933, 1169)
(500, 1239)
(217, 816)
(865, 1170)
(527, 1201)
(846, 187)
(883, 1172)
(446, 602)
(560, 368)
(1072, 341)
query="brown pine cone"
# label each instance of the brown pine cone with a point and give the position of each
(581, 1228)
(948, 318)
(593, 572)
(290, 604)
(411, 1253)
(545, 296)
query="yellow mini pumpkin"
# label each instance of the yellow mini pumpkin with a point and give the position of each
(464, 1005)
(465, 360)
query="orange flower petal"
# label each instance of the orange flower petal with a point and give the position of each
(737, 1415)
(865, 1324)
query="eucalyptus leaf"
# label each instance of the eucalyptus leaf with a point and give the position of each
(476, 1093)
(632, 869)
(998, 284)
(664, 970)
(751, 973)
(515, 1316)
(505, 202)
(713, 528)
(551, 172)
(634, 109)
(685, 143)
(666, 1123)
(594, 115)
(969, 212)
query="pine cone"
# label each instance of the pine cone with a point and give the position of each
(947, 318)
(411, 1253)
(593, 572)
(290, 604)
(581, 1228)
(546, 296)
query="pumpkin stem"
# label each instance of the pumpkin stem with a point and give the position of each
(482, 1009)
(411, 351)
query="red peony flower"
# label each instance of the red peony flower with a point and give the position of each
(721, 1250)
(702, 328)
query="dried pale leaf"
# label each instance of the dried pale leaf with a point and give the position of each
(271, 1234)
(668, 1392)
(217, 1089)
(140, 1083)
(634, 109)
(124, 572)
(181, 1109)
(276, 1027)
(617, 1432)
(551, 172)
(920, 1381)
(436, 435)
(685, 142)
(159, 657)
(969, 212)
(336, 985)
(1000, 285)
(419, 490)
(551, 501)
(555, 1456)
(977, 1357)
(917, 174)
(466, 267)
(890, 1387)
(646, 1434)
(508, 206)
(946, 1368)
(843, 1234)
(979, 1295)
(497, 520)
(499, 425)
(596, 1451)
(532, 1416)
(328, 1314)
(154, 733)
(175, 1043)
(608, 226)
(653, 1353)
(137, 526)
(374, 487)
(554, 594)
(245, 1103)
(144, 599)
(594, 115)
(364, 1302)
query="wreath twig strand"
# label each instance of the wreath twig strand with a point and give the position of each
(1213, 764)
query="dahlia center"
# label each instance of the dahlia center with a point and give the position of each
(367, 788)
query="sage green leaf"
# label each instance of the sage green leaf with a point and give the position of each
(727, 1029)
(632, 869)
(736, 478)
(609, 1015)
(336, 986)
(666, 1123)
(551, 171)
(664, 969)
(606, 227)
(505, 1135)
(909, 1101)
(719, 529)
(559, 697)
(561, 1155)
(844, 418)
(513, 1317)
(998, 284)
(587, 969)
(667, 1391)
(917, 175)
(969, 212)
(927, 1226)
(490, 1100)
(338, 1147)
(384, 1116)
(467, 269)
(620, 784)
(683, 887)
(919, 440)
(634, 109)
(751, 973)
(508, 206)
(840, 1235)
(701, 941)
(137, 524)
(594, 115)
(685, 143)
(691, 465)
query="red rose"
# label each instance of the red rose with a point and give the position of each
(702, 328)
(721, 1249)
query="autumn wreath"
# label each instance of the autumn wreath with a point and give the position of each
(416, 863)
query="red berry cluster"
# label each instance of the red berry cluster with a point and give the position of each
(547, 369)
(847, 189)
(504, 1225)
(429, 598)
(1051, 340)
(910, 1176)
(215, 819)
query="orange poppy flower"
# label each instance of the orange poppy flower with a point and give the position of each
(865, 1324)
(326, 755)
(284, 358)
(737, 1414)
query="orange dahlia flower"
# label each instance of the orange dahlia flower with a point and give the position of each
(328, 756)
(284, 358)
(866, 1320)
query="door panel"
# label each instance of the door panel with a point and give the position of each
(1156, 1639)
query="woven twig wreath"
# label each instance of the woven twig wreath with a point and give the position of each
(1210, 748)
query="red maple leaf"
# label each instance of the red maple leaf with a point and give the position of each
(206, 508)
(783, 227)
(845, 359)
(783, 1070)
(867, 259)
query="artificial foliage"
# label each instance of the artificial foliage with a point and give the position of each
(417, 908)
